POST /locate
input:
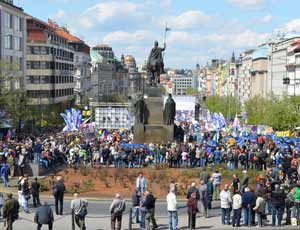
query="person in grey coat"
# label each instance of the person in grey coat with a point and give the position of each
(44, 215)
(203, 198)
(116, 209)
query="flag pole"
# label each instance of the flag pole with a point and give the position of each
(165, 37)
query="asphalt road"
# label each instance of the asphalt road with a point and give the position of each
(101, 208)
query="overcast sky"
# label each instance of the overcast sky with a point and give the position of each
(200, 29)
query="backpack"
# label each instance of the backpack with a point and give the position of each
(120, 208)
(83, 211)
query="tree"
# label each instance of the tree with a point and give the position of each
(227, 105)
(191, 91)
(12, 100)
(257, 109)
(281, 114)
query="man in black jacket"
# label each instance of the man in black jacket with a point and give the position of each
(35, 188)
(191, 190)
(136, 196)
(44, 215)
(278, 203)
(58, 192)
(149, 204)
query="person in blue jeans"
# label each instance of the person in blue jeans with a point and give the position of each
(248, 203)
(278, 204)
(5, 171)
(172, 209)
(135, 198)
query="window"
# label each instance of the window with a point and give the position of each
(19, 63)
(18, 42)
(43, 65)
(36, 50)
(8, 41)
(29, 49)
(18, 23)
(44, 50)
(7, 20)
(36, 65)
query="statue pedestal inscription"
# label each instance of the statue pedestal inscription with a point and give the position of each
(155, 131)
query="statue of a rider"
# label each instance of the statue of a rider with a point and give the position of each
(155, 64)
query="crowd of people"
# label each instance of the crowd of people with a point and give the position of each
(277, 189)
(115, 148)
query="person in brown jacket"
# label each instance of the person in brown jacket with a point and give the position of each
(192, 210)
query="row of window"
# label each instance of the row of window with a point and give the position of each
(44, 50)
(49, 65)
(49, 79)
(11, 42)
(50, 93)
(13, 22)
(14, 63)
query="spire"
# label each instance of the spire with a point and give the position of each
(233, 58)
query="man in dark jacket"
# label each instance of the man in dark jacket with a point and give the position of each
(149, 204)
(35, 188)
(10, 211)
(136, 196)
(248, 203)
(278, 203)
(44, 215)
(191, 190)
(58, 192)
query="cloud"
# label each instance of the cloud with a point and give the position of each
(105, 11)
(267, 18)
(189, 20)
(126, 38)
(249, 4)
(291, 26)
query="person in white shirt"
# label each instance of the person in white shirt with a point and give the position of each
(237, 209)
(226, 201)
(172, 209)
(79, 211)
(184, 157)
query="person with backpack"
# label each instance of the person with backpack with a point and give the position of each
(116, 209)
(79, 211)
(5, 172)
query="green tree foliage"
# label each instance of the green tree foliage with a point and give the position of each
(281, 114)
(227, 105)
(13, 100)
(191, 91)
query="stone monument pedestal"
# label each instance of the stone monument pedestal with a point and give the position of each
(155, 131)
